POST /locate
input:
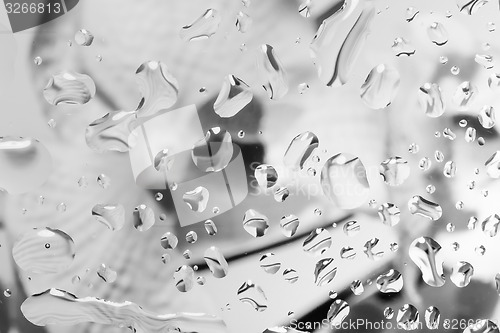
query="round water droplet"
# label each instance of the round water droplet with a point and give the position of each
(255, 223)
(348, 253)
(388, 313)
(402, 46)
(214, 152)
(408, 318)
(317, 242)
(289, 224)
(490, 225)
(438, 156)
(290, 275)
(486, 116)
(84, 37)
(266, 176)
(103, 181)
(191, 237)
(351, 228)
(243, 22)
(269, 263)
(69, 88)
(390, 282)
(455, 70)
(38, 61)
(357, 287)
(461, 274)
(394, 171)
(203, 27)
(424, 163)
(324, 271)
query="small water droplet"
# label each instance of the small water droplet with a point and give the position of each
(324, 271)
(487, 117)
(450, 169)
(38, 61)
(289, 224)
(390, 282)
(191, 237)
(464, 95)
(455, 70)
(214, 152)
(388, 313)
(266, 175)
(439, 156)
(389, 214)
(197, 199)
(484, 60)
(281, 194)
(470, 134)
(111, 215)
(424, 163)
(480, 250)
(103, 181)
(357, 287)
(106, 274)
(348, 253)
(461, 274)
(370, 249)
(210, 227)
(394, 171)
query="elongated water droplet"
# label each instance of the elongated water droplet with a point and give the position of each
(380, 86)
(425, 253)
(431, 100)
(497, 283)
(464, 95)
(83, 37)
(339, 41)
(233, 96)
(163, 161)
(402, 46)
(351, 228)
(210, 227)
(390, 282)
(394, 171)
(317, 242)
(204, 27)
(357, 287)
(255, 223)
(338, 311)
(252, 294)
(159, 88)
(408, 318)
(389, 214)
(470, 134)
(494, 81)
(437, 33)
(300, 149)
(423, 207)
(425, 163)
(243, 22)
(493, 165)
(112, 132)
(304, 8)
(490, 225)
(324, 272)
(486, 116)
(44, 251)
(290, 275)
(388, 313)
(144, 217)
(432, 317)
(470, 6)
(461, 274)
(448, 133)
(266, 175)
(111, 215)
(370, 249)
(289, 225)
(197, 199)
(273, 73)
(269, 263)
(344, 181)
(216, 262)
(450, 169)
(214, 152)
(106, 274)
(69, 88)
(184, 278)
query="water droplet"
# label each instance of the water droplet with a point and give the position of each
(273, 73)
(103, 181)
(370, 249)
(461, 274)
(450, 169)
(438, 156)
(144, 217)
(408, 318)
(470, 134)
(486, 116)
(203, 27)
(351, 228)
(184, 278)
(411, 12)
(210, 227)
(338, 311)
(302, 88)
(344, 181)
(394, 247)
(290, 275)
(233, 96)
(462, 123)
(191, 237)
(380, 86)
(402, 46)
(214, 152)
(497, 283)
(243, 22)
(216, 262)
(61, 208)
(304, 8)
(332, 294)
(348, 253)
(464, 95)
(7, 293)
(357, 287)
(169, 241)
(112, 132)
(423, 207)
(266, 176)
(52, 123)
(481, 141)
(106, 274)
(324, 271)
(471, 223)
(471, 185)
(394, 171)
(493, 165)
(389, 214)
(84, 37)
(269, 263)
(76, 279)
(166, 258)
(289, 225)
(197, 199)
(339, 41)
(111, 215)
(443, 60)
(317, 242)
(255, 223)
(69, 88)
(390, 282)
(252, 294)
(163, 162)
(424, 163)
(281, 194)
(455, 70)
(38, 61)
(388, 313)
(425, 253)
(490, 225)
(470, 6)
(32, 254)
(480, 250)
(484, 60)
(437, 33)
(448, 133)
(494, 81)
(300, 149)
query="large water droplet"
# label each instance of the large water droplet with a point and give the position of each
(114, 131)
(380, 86)
(111, 215)
(83, 37)
(423, 207)
(69, 88)
(290, 275)
(431, 100)
(144, 217)
(214, 152)
(216, 262)
(255, 223)
(344, 181)
(370, 249)
(324, 272)
(317, 242)
(252, 294)
(273, 73)
(44, 251)
(197, 199)
(169, 241)
(338, 311)
(464, 95)
(408, 317)
(461, 274)
(437, 33)
(425, 253)
(339, 40)
(299, 150)
(233, 96)
(390, 282)
(184, 278)
(266, 175)
(289, 225)
(394, 171)
(432, 316)
(450, 169)
(490, 225)
(389, 214)
(484, 60)
(269, 263)
(204, 27)
(486, 116)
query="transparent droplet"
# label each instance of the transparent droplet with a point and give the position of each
(290, 275)
(450, 169)
(464, 95)
(69, 88)
(302, 88)
(491, 26)
(304, 8)
(461, 274)
(439, 156)
(390, 282)
(84, 37)
(470, 6)
(332, 294)
(494, 81)
(216, 262)
(402, 46)
(44, 251)
(394, 247)
(281, 194)
(144, 217)
(482, 326)
(38, 61)
(191, 237)
(339, 41)
(380, 86)
(324, 271)
(184, 278)
(202, 28)
(197, 199)
(493, 165)
(351, 228)
(163, 161)
(299, 150)
(388, 313)
(424, 163)
(348, 253)
(394, 171)
(437, 33)
(344, 181)
(484, 60)
(214, 152)
(497, 283)
(273, 73)
(266, 175)
(411, 12)
(480, 250)
(481, 141)
(252, 294)
(443, 60)
(357, 287)
(289, 224)
(210, 227)
(448, 133)
(269, 263)
(423, 207)
(425, 252)
(83, 182)
(389, 214)
(7, 293)
(169, 241)
(462, 123)
(243, 22)
(166, 258)
(487, 117)
(370, 249)
(111, 215)
(455, 70)
(337, 312)
(408, 318)
(113, 132)
(103, 181)
(317, 242)
(233, 96)
(470, 134)
(106, 274)
(431, 100)
(61, 207)
(490, 225)
(255, 223)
